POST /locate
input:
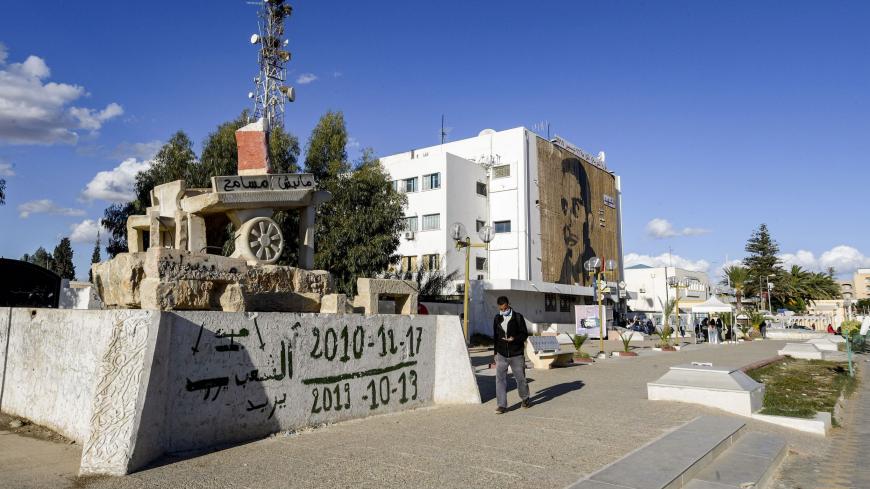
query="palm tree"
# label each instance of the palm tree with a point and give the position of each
(736, 277)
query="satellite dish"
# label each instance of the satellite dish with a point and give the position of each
(486, 132)
(289, 92)
(255, 38)
(286, 41)
(250, 94)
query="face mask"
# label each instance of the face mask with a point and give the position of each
(506, 312)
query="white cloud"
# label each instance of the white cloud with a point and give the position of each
(115, 185)
(666, 260)
(93, 119)
(36, 111)
(85, 231)
(141, 151)
(662, 228)
(306, 78)
(844, 259)
(46, 206)
(6, 169)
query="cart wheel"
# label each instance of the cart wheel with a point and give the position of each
(260, 240)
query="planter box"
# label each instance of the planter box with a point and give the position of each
(624, 354)
(583, 360)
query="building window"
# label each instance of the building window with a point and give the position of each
(565, 302)
(411, 223)
(431, 181)
(431, 222)
(480, 263)
(550, 302)
(481, 189)
(395, 184)
(480, 224)
(501, 171)
(502, 226)
(431, 262)
(410, 184)
(409, 263)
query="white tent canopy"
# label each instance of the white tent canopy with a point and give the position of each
(712, 305)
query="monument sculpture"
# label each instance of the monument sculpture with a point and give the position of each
(168, 266)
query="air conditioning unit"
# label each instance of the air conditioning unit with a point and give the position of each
(409, 235)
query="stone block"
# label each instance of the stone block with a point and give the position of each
(281, 302)
(370, 290)
(176, 295)
(118, 280)
(169, 264)
(805, 351)
(724, 388)
(333, 304)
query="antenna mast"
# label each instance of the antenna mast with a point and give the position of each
(271, 93)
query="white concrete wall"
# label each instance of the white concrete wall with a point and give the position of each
(50, 364)
(135, 384)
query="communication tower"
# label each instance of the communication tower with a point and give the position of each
(271, 93)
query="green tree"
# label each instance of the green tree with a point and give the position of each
(40, 257)
(736, 277)
(358, 230)
(95, 257)
(761, 261)
(326, 151)
(63, 260)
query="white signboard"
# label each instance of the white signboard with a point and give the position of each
(284, 181)
(560, 141)
(609, 201)
(586, 321)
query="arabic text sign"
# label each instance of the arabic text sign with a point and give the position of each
(285, 181)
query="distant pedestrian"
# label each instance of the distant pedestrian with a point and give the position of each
(763, 328)
(510, 333)
(831, 329)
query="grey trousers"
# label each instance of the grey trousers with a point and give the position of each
(518, 368)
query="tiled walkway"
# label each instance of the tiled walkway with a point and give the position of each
(844, 464)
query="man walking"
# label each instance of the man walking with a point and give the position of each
(509, 331)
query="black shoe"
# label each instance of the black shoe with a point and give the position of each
(527, 403)
(500, 410)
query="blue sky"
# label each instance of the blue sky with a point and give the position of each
(717, 115)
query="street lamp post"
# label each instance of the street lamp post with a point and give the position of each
(769, 288)
(678, 284)
(460, 236)
(598, 273)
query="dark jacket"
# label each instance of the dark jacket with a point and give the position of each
(516, 328)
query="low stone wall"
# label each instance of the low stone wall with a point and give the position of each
(152, 382)
(49, 360)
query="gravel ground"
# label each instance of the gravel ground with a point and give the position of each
(584, 418)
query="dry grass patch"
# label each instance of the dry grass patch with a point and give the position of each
(801, 388)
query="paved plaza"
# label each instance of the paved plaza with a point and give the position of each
(584, 418)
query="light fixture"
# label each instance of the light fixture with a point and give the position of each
(486, 234)
(610, 264)
(593, 264)
(457, 231)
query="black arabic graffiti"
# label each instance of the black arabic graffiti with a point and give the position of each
(217, 383)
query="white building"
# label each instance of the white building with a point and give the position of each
(649, 291)
(550, 204)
